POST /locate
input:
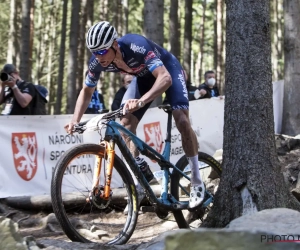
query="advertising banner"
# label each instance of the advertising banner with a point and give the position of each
(32, 145)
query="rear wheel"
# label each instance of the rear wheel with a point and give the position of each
(180, 187)
(101, 221)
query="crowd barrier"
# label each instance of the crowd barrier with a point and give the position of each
(31, 146)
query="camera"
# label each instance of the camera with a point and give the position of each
(5, 77)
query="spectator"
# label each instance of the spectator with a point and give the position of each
(40, 100)
(208, 89)
(127, 79)
(96, 105)
(16, 94)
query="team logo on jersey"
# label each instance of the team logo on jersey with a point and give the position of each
(132, 64)
(130, 60)
(139, 68)
(153, 136)
(149, 56)
(91, 74)
(93, 64)
(24, 147)
(137, 49)
(182, 80)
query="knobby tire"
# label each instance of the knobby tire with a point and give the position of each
(58, 203)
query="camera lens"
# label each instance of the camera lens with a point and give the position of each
(4, 77)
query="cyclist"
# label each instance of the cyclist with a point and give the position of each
(156, 71)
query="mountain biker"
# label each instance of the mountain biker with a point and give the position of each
(156, 71)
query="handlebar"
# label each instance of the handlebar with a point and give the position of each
(81, 126)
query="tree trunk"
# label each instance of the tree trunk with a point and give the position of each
(25, 41)
(62, 49)
(219, 61)
(251, 180)
(160, 22)
(279, 45)
(51, 81)
(72, 67)
(291, 101)
(89, 23)
(32, 9)
(277, 39)
(81, 45)
(187, 41)
(174, 29)
(125, 17)
(202, 39)
(151, 30)
(11, 50)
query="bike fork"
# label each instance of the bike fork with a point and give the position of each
(110, 153)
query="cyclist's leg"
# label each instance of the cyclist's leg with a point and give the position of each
(178, 98)
(130, 121)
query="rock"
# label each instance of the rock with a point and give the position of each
(248, 232)
(10, 239)
(281, 221)
(217, 239)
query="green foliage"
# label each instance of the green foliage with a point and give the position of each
(4, 27)
(47, 33)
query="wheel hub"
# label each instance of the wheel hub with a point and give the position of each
(96, 198)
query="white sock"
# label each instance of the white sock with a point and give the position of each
(195, 172)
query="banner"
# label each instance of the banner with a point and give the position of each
(278, 90)
(32, 145)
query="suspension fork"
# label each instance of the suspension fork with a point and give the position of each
(110, 152)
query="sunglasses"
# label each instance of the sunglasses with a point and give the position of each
(100, 52)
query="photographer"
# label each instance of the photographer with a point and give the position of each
(16, 94)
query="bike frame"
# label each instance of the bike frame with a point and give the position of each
(113, 135)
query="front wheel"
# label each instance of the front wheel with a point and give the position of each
(93, 220)
(180, 187)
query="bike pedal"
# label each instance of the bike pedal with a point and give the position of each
(148, 209)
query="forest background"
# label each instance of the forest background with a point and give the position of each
(46, 39)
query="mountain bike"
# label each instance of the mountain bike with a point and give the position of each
(91, 179)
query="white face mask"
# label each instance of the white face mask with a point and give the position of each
(211, 82)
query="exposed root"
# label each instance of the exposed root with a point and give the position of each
(24, 218)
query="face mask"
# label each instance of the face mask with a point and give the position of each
(211, 82)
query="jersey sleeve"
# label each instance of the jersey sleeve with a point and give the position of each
(152, 61)
(93, 75)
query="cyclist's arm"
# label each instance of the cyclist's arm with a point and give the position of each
(82, 102)
(85, 95)
(162, 83)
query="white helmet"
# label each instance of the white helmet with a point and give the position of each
(100, 36)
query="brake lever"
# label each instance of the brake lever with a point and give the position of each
(79, 128)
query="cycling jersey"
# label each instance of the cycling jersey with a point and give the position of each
(143, 56)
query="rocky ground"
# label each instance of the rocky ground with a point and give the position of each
(43, 225)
